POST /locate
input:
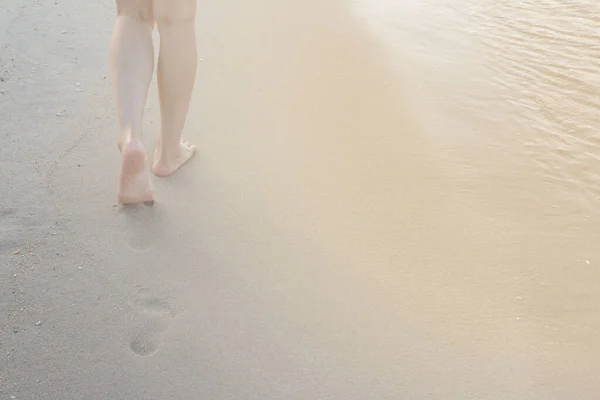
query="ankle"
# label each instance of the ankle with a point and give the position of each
(167, 153)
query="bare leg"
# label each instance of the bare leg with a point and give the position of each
(132, 62)
(176, 76)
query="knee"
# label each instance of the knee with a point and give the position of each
(137, 9)
(169, 13)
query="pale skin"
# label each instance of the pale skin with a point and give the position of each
(132, 64)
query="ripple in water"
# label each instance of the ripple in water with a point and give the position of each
(545, 54)
(538, 62)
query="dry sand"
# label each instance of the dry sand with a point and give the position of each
(314, 249)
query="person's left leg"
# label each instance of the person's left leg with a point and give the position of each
(132, 63)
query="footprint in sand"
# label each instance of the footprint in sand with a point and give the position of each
(142, 226)
(152, 317)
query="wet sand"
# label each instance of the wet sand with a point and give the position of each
(350, 228)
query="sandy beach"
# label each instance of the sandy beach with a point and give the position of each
(334, 238)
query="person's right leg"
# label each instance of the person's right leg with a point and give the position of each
(176, 76)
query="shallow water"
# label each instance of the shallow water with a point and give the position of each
(508, 98)
(518, 75)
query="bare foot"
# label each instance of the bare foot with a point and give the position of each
(166, 165)
(135, 185)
